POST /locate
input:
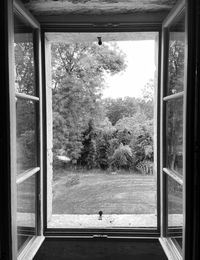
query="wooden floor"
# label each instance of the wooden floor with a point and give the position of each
(104, 249)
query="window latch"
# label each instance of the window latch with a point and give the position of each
(100, 236)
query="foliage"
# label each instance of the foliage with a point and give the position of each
(78, 79)
(143, 147)
(122, 157)
(88, 151)
(24, 67)
(103, 150)
(91, 131)
(119, 108)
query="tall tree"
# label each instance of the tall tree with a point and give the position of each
(78, 80)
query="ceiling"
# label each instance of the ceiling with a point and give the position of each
(96, 7)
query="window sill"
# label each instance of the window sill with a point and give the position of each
(31, 249)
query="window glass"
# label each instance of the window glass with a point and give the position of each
(176, 56)
(174, 132)
(26, 210)
(24, 58)
(26, 134)
(175, 209)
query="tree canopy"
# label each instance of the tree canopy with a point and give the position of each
(78, 80)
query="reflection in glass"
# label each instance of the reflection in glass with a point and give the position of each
(176, 56)
(175, 209)
(26, 210)
(174, 132)
(26, 134)
(24, 58)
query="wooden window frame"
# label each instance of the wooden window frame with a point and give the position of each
(168, 242)
(93, 232)
(32, 245)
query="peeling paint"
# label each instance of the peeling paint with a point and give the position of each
(48, 7)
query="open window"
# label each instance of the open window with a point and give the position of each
(34, 116)
(101, 131)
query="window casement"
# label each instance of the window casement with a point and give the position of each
(173, 108)
(28, 132)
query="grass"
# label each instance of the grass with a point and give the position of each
(88, 192)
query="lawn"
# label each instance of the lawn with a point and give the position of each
(89, 192)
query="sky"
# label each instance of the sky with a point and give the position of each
(140, 69)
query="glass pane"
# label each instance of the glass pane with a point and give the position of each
(176, 56)
(24, 58)
(175, 210)
(26, 134)
(26, 210)
(174, 132)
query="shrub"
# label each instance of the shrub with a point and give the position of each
(122, 157)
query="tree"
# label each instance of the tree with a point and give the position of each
(103, 150)
(122, 157)
(88, 151)
(119, 108)
(78, 79)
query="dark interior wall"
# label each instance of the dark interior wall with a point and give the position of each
(91, 249)
(196, 226)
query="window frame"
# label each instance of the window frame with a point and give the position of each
(169, 244)
(31, 246)
(99, 232)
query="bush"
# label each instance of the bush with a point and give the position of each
(143, 147)
(122, 157)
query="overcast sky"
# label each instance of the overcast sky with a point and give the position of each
(141, 67)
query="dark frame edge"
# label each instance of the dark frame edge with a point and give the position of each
(8, 247)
